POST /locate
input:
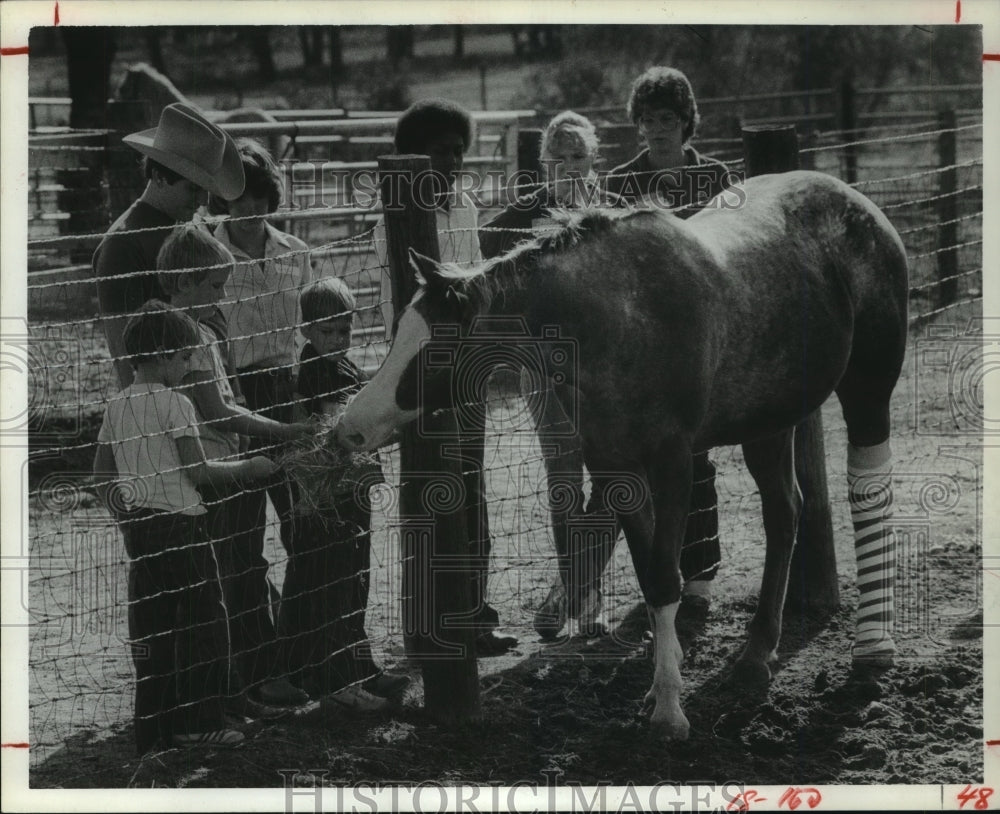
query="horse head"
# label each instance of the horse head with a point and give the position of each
(417, 375)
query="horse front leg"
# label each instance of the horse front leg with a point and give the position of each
(656, 557)
(771, 463)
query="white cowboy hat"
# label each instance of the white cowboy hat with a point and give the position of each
(187, 143)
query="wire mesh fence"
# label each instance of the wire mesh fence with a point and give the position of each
(81, 669)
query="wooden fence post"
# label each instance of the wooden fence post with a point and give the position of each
(848, 123)
(947, 258)
(434, 544)
(812, 583)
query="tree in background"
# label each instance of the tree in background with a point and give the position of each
(399, 41)
(259, 37)
(311, 40)
(153, 35)
(90, 50)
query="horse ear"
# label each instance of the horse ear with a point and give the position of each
(425, 269)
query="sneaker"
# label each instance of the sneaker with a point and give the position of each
(387, 685)
(490, 644)
(487, 619)
(358, 699)
(591, 622)
(700, 588)
(218, 737)
(550, 618)
(694, 606)
(280, 693)
(242, 707)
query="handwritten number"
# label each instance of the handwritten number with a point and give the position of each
(742, 801)
(793, 796)
(980, 794)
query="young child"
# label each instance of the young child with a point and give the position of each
(326, 586)
(569, 151)
(149, 442)
(193, 269)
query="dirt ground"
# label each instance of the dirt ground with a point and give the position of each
(574, 707)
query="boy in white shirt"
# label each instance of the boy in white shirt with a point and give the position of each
(149, 443)
(193, 270)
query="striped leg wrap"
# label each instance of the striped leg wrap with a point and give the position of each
(869, 480)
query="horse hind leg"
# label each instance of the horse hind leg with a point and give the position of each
(865, 403)
(770, 461)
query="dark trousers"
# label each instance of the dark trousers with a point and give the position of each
(589, 552)
(271, 393)
(235, 523)
(472, 444)
(177, 626)
(585, 538)
(323, 605)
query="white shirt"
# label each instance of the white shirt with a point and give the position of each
(262, 302)
(142, 424)
(218, 444)
(458, 242)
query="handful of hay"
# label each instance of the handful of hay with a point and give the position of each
(324, 472)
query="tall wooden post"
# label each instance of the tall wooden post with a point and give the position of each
(947, 258)
(812, 584)
(848, 123)
(437, 606)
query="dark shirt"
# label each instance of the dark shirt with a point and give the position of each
(134, 255)
(120, 254)
(528, 210)
(322, 378)
(700, 179)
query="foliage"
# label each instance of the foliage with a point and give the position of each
(578, 82)
(392, 93)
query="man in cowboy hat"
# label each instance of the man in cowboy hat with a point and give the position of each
(184, 157)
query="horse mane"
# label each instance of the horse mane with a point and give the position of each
(509, 271)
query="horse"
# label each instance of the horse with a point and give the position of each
(727, 328)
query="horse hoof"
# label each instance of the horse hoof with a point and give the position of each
(665, 719)
(753, 676)
(879, 655)
(873, 662)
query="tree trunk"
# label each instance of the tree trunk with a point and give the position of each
(153, 35)
(399, 43)
(89, 53)
(260, 44)
(335, 48)
(311, 40)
